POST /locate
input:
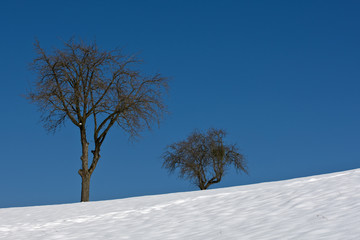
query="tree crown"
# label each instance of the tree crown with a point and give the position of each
(203, 158)
(82, 81)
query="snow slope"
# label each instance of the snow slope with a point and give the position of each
(318, 207)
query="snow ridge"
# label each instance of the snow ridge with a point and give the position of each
(318, 207)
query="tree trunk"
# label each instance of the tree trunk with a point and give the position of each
(84, 172)
(85, 186)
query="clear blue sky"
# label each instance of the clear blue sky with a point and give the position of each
(282, 77)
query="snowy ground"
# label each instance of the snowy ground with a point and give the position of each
(318, 207)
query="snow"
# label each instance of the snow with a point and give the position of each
(318, 207)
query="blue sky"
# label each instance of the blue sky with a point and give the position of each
(282, 77)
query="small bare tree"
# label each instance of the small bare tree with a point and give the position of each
(203, 157)
(95, 89)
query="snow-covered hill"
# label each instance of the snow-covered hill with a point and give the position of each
(318, 207)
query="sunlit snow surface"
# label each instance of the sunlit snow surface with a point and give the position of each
(318, 207)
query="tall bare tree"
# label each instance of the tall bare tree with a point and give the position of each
(203, 158)
(95, 89)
